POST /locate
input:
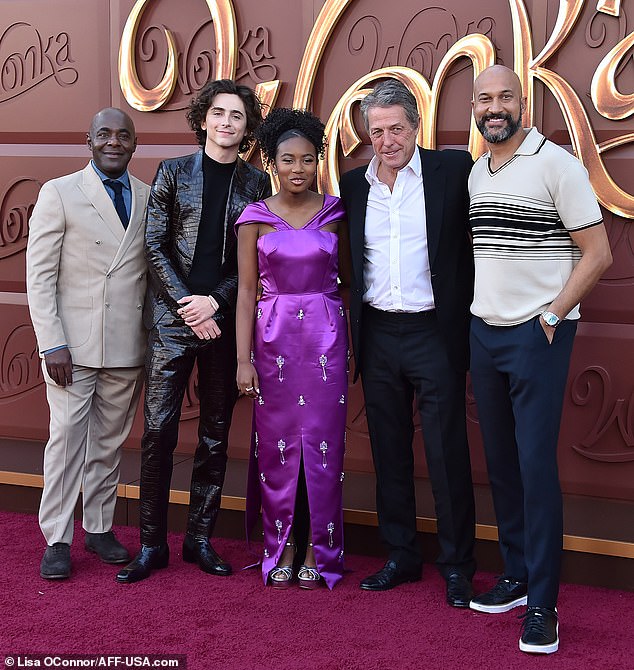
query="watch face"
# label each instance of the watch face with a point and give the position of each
(550, 318)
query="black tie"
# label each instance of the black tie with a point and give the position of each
(119, 205)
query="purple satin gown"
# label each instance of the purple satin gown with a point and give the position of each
(300, 350)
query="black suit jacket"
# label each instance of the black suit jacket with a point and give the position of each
(445, 175)
(172, 220)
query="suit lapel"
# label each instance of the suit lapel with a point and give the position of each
(434, 189)
(193, 182)
(357, 205)
(95, 191)
(136, 221)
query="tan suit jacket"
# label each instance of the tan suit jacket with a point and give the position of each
(86, 274)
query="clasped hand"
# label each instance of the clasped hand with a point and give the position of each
(197, 312)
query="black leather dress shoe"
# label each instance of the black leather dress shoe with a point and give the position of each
(148, 559)
(200, 551)
(459, 591)
(107, 547)
(388, 577)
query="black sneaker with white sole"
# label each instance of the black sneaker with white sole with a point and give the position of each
(540, 631)
(504, 596)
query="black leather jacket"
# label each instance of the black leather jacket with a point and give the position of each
(172, 220)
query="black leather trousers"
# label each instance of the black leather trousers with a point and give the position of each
(172, 351)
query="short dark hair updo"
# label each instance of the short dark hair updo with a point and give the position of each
(200, 104)
(282, 123)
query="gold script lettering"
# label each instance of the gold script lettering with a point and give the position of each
(477, 47)
(137, 96)
(582, 136)
(608, 101)
(611, 7)
(148, 100)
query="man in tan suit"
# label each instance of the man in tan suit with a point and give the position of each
(86, 279)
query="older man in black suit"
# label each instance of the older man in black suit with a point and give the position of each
(412, 284)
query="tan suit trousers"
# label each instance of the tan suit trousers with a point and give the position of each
(89, 423)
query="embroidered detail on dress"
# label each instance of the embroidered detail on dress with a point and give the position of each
(323, 447)
(259, 314)
(278, 525)
(260, 400)
(331, 529)
(281, 445)
(280, 364)
(323, 359)
(341, 312)
(342, 476)
(341, 555)
(266, 552)
(300, 314)
(255, 452)
(301, 401)
(342, 400)
(262, 477)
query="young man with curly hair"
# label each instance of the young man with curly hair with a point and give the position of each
(190, 311)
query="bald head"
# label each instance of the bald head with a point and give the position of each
(499, 77)
(109, 113)
(498, 104)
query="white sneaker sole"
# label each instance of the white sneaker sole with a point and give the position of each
(498, 609)
(541, 648)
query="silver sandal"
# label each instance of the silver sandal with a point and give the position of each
(308, 578)
(281, 576)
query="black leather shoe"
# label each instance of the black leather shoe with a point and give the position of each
(459, 591)
(200, 551)
(148, 559)
(107, 547)
(56, 562)
(388, 577)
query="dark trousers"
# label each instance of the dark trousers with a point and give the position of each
(519, 381)
(403, 355)
(172, 351)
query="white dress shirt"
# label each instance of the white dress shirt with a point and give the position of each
(396, 272)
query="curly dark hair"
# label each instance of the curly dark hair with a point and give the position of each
(201, 103)
(283, 123)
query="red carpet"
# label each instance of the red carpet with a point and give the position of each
(236, 624)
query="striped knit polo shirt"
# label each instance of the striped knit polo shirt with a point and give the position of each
(521, 218)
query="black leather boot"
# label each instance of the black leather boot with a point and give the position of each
(148, 559)
(200, 551)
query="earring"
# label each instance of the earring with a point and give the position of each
(274, 171)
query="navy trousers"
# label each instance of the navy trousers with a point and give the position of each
(519, 380)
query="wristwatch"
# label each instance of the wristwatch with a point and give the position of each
(551, 319)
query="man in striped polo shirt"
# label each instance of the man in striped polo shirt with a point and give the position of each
(539, 246)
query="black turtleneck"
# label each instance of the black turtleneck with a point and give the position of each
(205, 272)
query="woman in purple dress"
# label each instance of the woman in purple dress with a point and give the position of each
(292, 354)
